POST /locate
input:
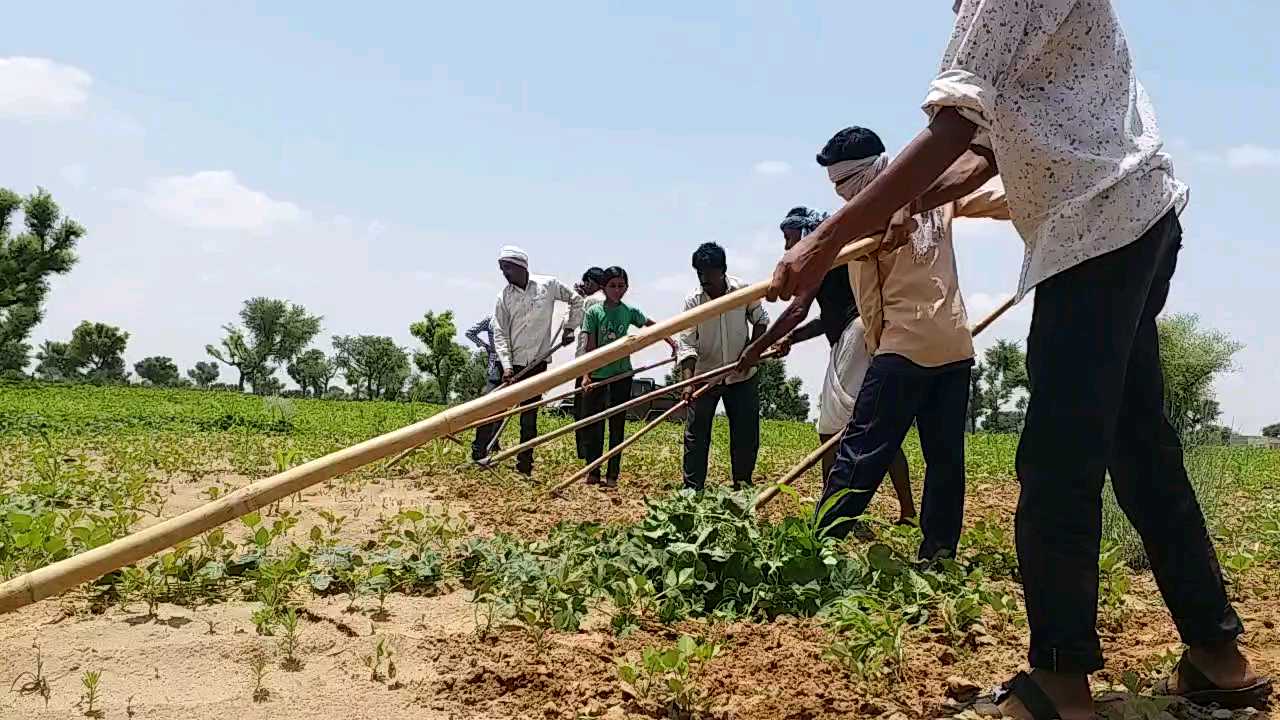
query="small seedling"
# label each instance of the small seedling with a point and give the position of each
(89, 699)
(128, 707)
(258, 665)
(382, 655)
(36, 683)
(289, 640)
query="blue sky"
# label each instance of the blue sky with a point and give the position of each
(368, 162)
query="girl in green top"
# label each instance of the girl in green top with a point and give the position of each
(603, 324)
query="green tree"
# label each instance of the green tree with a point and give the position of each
(204, 374)
(976, 400)
(99, 349)
(313, 371)
(272, 333)
(470, 381)
(443, 358)
(1191, 359)
(1271, 431)
(1004, 372)
(27, 260)
(781, 398)
(373, 366)
(159, 371)
(54, 362)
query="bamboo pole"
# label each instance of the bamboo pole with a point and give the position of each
(814, 457)
(91, 564)
(603, 414)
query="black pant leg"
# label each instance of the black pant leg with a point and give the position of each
(619, 393)
(742, 408)
(593, 402)
(484, 433)
(528, 425)
(579, 412)
(941, 421)
(1082, 336)
(886, 406)
(697, 439)
(1151, 484)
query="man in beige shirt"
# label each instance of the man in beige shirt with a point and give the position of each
(922, 352)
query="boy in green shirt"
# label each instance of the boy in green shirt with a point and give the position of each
(603, 324)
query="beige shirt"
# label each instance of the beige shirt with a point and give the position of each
(1051, 87)
(588, 302)
(912, 306)
(720, 340)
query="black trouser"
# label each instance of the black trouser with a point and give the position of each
(1097, 404)
(894, 393)
(742, 406)
(528, 426)
(580, 435)
(596, 400)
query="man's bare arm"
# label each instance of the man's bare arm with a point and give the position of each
(786, 322)
(912, 173)
(807, 331)
(964, 177)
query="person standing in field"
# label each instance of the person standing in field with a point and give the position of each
(604, 323)
(707, 346)
(493, 371)
(522, 339)
(840, 323)
(590, 291)
(1044, 92)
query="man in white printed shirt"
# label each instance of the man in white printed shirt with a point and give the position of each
(1043, 91)
(707, 346)
(522, 339)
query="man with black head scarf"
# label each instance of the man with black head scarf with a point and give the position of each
(840, 323)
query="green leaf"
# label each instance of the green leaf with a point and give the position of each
(20, 521)
(262, 537)
(252, 520)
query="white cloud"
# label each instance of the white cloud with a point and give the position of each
(772, 167)
(217, 200)
(38, 87)
(1242, 157)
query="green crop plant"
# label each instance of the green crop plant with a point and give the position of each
(91, 681)
(288, 623)
(381, 663)
(1113, 583)
(258, 672)
(672, 677)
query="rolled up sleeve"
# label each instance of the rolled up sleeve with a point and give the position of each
(989, 40)
(988, 201)
(687, 341)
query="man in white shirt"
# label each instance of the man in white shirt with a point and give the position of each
(591, 291)
(707, 346)
(1043, 91)
(522, 339)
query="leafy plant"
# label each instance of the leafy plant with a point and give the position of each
(671, 676)
(258, 668)
(381, 663)
(289, 640)
(91, 682)
(1113, 583)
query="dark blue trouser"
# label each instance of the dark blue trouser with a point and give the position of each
(894, 393)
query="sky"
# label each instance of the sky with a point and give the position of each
(369, 161)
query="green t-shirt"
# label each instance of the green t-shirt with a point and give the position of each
(608, 324)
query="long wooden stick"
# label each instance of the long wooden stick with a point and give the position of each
(66, 574)
(541, 403)
(603, 414)
(814, 457)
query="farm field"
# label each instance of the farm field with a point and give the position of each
(438, 590)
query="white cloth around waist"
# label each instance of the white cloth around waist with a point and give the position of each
(845, 372)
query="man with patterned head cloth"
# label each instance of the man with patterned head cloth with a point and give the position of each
(522, 331)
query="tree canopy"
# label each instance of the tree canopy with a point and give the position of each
(442, 357)
(1192, 359)
(373, 366)
(272, 333)
(27, 260)
(97, 349)
(313, 371)
(159, 371)
(781, 397)
(204, 374)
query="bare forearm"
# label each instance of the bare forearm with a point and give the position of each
(964, 177)
(786, 322)
(909, 176)
(807, 331)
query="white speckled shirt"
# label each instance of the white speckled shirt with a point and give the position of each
(1050, 85)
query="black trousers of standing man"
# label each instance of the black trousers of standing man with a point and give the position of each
(1097, 405)
(528, 426)
(895, 393)
(595, 401)
(742, 407)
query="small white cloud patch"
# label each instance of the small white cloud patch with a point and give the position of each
(38, 87)
(772, 167)
(217, 200)
(1250, 156)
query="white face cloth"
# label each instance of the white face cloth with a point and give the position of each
(513, 254)
(853, 176)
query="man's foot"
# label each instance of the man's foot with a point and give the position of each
(593, 479)
(907, 520)
(526, 472)
(1219, 675)
(610, 483)
(1061, 695)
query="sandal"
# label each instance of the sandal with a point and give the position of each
(1024, 689)
(1202, 691)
